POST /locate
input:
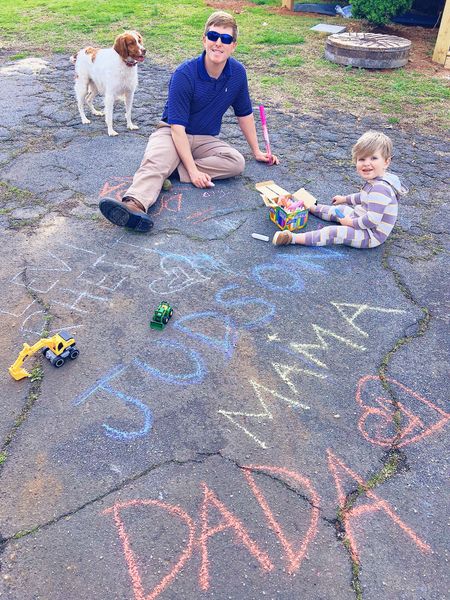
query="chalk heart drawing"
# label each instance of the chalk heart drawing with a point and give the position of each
(420, 417)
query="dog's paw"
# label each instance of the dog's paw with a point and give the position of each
(98, 113)
(85, 121)
(112, 133)
(132, 126)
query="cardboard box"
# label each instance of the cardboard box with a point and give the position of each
(295, 220)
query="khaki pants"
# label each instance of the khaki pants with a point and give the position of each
(211, 155)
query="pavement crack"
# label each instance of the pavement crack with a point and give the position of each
(423, 324)
(394, 462)
(198, 458)
(284, 483)
(36, 377)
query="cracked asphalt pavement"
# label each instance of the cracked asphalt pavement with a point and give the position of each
(284, 436)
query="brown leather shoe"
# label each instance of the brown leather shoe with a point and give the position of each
(282, 238)
(133, 204)
(128, 213)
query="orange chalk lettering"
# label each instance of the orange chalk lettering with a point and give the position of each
(336, 467)
(115, 188)
(229, 522)
(166, 202)
(294, 558)
(130, 558)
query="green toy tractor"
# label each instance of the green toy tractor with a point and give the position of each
(161, 316)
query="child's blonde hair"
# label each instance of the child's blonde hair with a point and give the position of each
(222, 19)
(370, 142)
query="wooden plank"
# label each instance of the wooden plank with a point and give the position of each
(443, 39)
(279, 191)
(263, 186)
(289, 4)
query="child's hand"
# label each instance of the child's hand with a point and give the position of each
(338, 200)
(348, 221)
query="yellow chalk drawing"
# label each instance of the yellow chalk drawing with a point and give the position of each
(266, 414)
(285, 370)
(322, 345)
(360, 309)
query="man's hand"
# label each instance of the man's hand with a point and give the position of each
(348, 221)
(200, 179)
(338, 200)
(264, 157)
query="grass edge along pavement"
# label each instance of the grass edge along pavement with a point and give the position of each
(283, 57)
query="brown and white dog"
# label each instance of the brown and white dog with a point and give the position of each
(111, 72)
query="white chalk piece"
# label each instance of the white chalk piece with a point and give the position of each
(258, 236)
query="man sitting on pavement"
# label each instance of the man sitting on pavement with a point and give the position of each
(200, 92)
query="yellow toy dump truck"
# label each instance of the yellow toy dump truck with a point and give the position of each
(56, 349)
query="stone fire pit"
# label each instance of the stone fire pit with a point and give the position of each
(368, 50)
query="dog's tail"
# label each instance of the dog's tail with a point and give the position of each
(73, 58)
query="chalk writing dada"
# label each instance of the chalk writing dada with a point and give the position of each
(194, 537)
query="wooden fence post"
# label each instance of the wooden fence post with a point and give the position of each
(441, 48)
(289, 4)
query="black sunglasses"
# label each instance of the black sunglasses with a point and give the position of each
(226, 38)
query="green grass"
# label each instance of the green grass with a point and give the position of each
(283, 57)
(276, 38)
(291, 61)
(19, 56)
(37, 374)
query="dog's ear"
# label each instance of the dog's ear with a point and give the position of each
(120, 46)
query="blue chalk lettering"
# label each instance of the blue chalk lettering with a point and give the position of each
(120, 434)
(247, 301)
(99, 384)
(294, 282)
(103, 384)
(226, 345)
(195, 376)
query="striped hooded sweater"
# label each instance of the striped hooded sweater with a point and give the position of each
(375, 207)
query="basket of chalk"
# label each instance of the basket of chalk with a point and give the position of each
(288, 211)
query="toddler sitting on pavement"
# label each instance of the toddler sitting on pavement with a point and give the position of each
(368, 216)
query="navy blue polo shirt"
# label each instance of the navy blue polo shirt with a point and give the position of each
(198, 101)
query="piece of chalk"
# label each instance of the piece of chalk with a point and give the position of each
(258, 236)
(339, 213)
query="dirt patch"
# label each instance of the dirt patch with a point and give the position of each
(231, 6)
(423, 41)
